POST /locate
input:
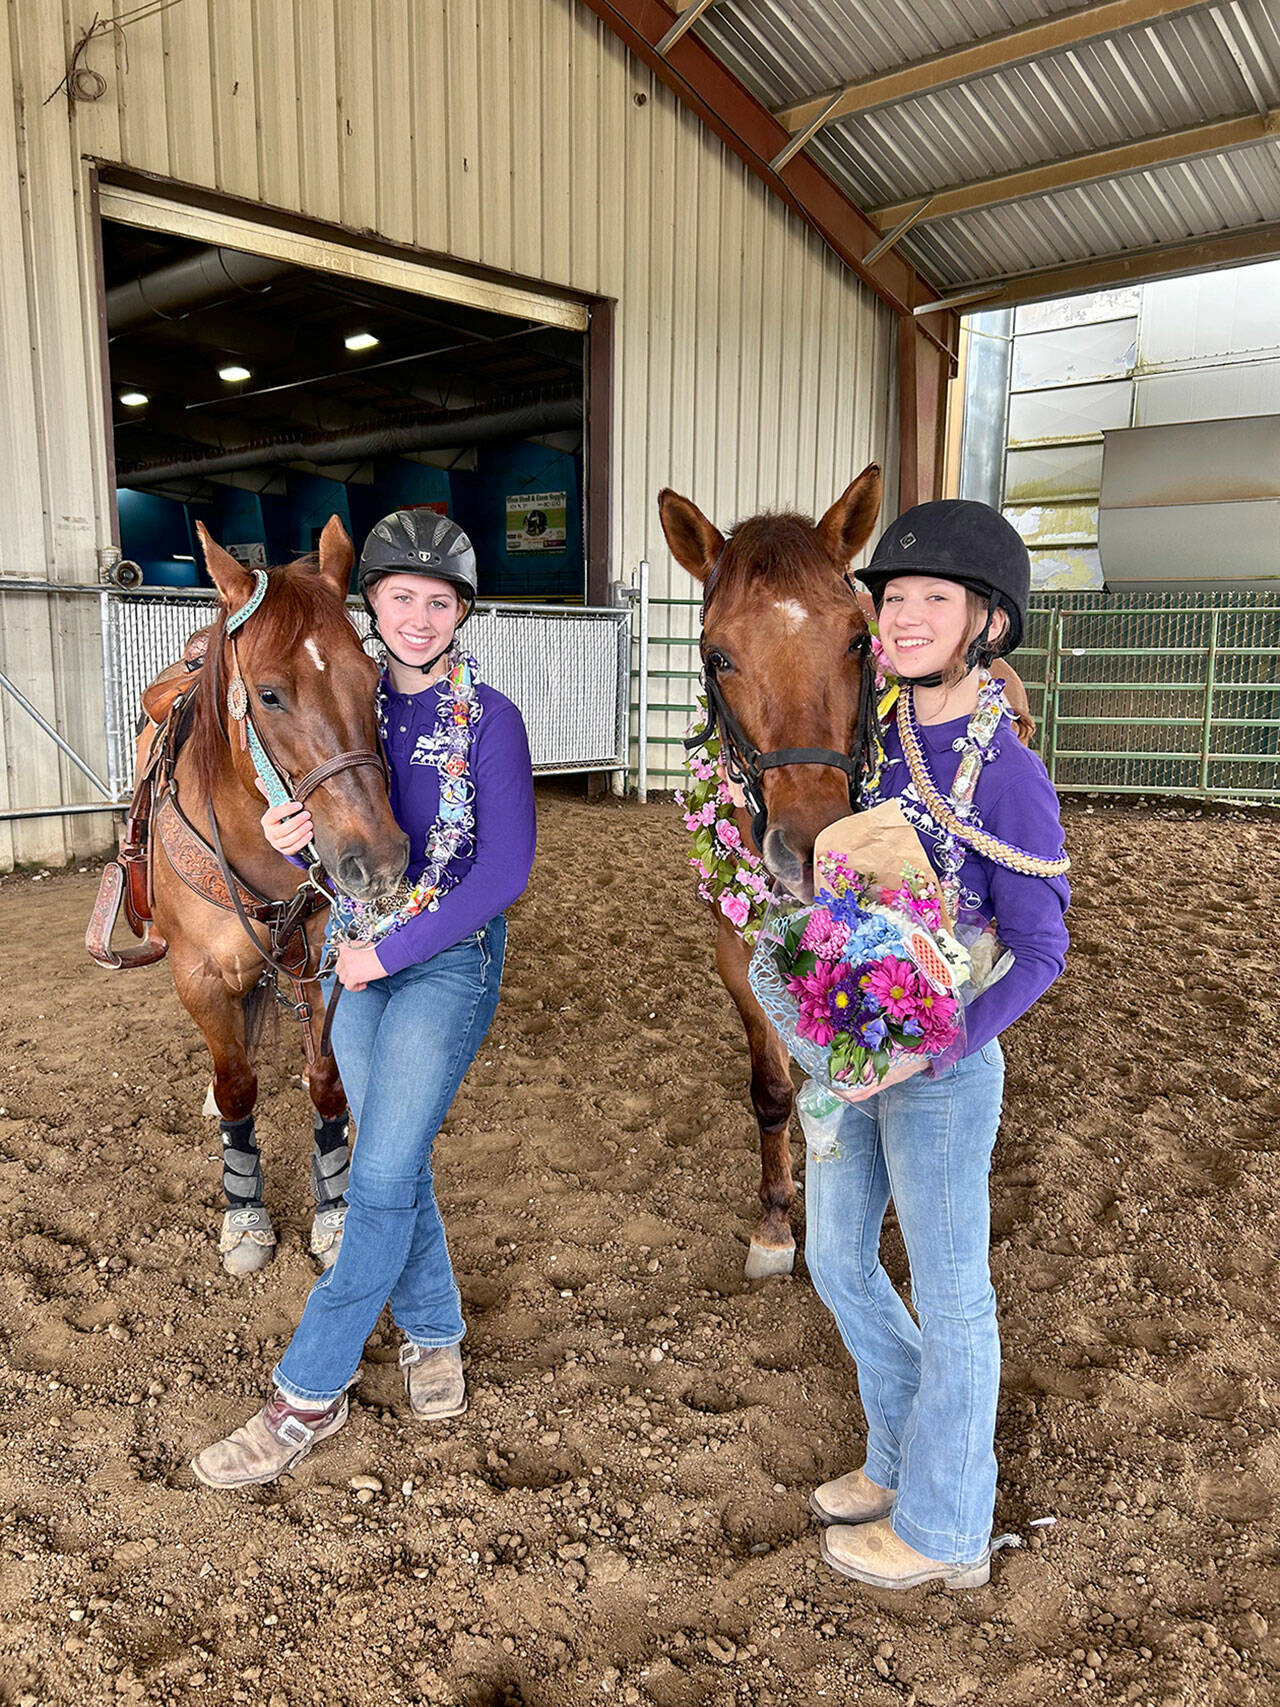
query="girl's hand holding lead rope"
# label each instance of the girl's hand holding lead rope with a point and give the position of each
(358, 965)
(287, 827)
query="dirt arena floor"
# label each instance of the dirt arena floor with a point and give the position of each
(620, 1516)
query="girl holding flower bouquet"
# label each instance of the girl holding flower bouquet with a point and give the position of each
(419, 975)
(950, 582)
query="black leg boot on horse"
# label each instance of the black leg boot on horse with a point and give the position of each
(247, 1242)
(330, 1167)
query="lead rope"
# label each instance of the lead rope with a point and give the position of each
(943, 814)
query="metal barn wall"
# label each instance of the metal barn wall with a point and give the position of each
(751, 368)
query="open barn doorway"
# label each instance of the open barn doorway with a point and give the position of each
(260, 396)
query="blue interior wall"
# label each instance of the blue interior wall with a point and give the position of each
(159, 532)
(480, 506)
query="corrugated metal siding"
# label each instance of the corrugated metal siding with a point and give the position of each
(751, 367)
(1213, 62)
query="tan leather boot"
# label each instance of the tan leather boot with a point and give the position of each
(854, 1498)
(434, 1381)
(871, 1553)
(269, 1444)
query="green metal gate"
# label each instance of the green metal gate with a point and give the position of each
(1155, 693)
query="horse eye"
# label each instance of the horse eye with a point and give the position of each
(718, 661)
(269, 697)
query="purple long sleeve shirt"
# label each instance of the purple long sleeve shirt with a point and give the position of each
(1015, 801)
(505, 827)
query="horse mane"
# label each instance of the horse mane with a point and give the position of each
(286, 615)
(778, 546)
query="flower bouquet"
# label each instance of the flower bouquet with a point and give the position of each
(872, 971)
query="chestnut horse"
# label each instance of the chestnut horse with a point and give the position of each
(785, 639)
(787, 644)
(308, 687)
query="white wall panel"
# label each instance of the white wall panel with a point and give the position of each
(751, 368)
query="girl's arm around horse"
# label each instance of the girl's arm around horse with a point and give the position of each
(505, 837)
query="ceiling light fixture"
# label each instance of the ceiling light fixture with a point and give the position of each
(134, 399)
(234, 374)
(362, 341)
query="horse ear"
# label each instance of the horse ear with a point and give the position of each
(337, 554)
(232, 579)
(847, 525)
(695, 542)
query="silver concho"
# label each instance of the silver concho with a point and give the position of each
(238, 699)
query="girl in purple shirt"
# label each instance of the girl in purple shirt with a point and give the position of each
(950, 582)
(418, 975)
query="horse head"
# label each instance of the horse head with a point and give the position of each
(310, 691)
(785, 642)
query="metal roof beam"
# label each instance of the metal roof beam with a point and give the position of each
(977, 59)
(1163, 149)
(688, 17)
(1128, 266)
(747, 128)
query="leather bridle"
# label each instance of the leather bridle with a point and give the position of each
(745, 764)
(278, 786)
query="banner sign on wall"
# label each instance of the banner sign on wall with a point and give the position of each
(536, 521)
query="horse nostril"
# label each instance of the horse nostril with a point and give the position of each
(789, 867)
(353, 874)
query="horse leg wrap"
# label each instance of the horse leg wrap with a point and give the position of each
(331, 1163)
(242, 1183)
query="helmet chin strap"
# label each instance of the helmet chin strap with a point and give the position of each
(978, 652)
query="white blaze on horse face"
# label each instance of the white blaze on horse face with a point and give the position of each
(313, 652)
(792, 613)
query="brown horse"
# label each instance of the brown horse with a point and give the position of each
(788, 644)
(309, 690)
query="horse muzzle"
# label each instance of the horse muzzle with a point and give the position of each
(366, 872)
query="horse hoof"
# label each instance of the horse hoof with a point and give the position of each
(765, 1260)
(326, 1234)
(247, 1242)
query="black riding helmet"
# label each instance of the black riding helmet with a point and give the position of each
(418, 542)
(956, 539)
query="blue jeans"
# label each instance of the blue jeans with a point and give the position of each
(929, 1391)
(402, 1045)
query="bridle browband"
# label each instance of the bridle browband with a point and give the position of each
(745, 764)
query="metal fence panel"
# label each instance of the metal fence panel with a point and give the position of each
(1155, 693)
(567, 670)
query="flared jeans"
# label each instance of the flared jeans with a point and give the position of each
(402, 1044)
(928, 1384)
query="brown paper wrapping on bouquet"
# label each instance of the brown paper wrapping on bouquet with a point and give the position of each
(881, 846)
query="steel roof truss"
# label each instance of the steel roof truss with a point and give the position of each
(977, 59)
(1165, 148)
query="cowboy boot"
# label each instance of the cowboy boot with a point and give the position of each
(434, 1381)
(872, 1553)
(854, 1498)
(270, 1443)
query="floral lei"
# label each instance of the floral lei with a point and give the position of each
(453, 832)
(730, 876)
